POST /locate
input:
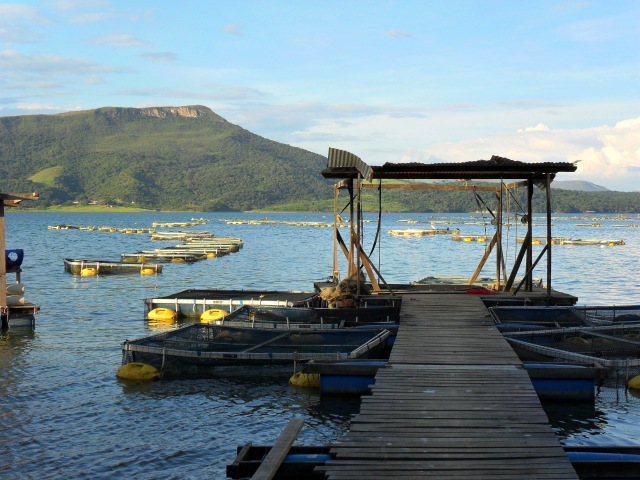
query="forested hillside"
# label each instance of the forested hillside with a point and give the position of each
(185, 158)
(191, 159)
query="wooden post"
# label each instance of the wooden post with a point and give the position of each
(359, 232)
(336, 226)
(548, 239)
(11, 199)
(3, 265)
(529, 261)
(352, 251)
(498, 219)
(526, 247)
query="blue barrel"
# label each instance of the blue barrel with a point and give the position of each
(14, 258)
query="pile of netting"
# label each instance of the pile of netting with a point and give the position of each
(344, 294)
(609, 315)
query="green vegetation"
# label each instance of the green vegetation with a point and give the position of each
(186, 158)
(47, 176)
(93, 208)
(190, 159)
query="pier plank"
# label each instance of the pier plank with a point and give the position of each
(269, 466)
(454, 402)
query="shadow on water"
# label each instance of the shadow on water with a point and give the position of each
(611, 421)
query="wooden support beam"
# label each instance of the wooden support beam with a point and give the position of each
(549, 240)
(19, 196)
(529, 261)
(370, 267)
(484, 258)
(336, 233)
(269, 466)
(530, 272)
(526, 246)
(343, 246)
(428, 186)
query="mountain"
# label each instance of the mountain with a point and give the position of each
(191, 159)
(183, 158)
(578, 185)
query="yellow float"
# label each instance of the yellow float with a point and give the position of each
(177, 260)
(88, 272)
(148, 271)
(213, 314)
(634, 382)
(138, 371)
(301, 379)
(165, 314)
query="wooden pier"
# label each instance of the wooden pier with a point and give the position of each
(454, 402)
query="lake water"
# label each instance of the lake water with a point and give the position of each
(65, 415)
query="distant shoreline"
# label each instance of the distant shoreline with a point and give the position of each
(85, 209)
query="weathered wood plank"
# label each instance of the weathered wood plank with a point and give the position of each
(269, 466)
(454, 402)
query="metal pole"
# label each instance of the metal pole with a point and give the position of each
(548, 238)
(529, 261)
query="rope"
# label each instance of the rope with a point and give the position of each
(484, 223)
(375, 239)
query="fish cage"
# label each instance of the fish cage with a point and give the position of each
(564, 316)
(614, 346)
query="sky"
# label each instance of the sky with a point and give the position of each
(390, 81)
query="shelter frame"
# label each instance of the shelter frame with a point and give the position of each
(355, 176)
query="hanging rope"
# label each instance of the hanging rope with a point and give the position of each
(508, 209)
(375, 239)
(515, 199)
(478, 200)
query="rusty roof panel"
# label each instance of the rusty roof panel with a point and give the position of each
(495, 168)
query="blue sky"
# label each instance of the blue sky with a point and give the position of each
(390, 81)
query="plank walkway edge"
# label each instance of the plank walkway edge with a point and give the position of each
(453, 402)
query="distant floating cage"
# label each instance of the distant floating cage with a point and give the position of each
(469, 238)
(602, 243)
(543, 240)
(101, 229)
(419, 232)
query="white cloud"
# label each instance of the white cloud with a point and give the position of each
(13, 13)
(398, 34)
(120, 41)
(610, 156)
(160, 57)
(541, 127)
(232, 29)
(37, 107)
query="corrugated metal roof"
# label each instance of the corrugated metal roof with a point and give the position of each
(495, 168)
(343, 161)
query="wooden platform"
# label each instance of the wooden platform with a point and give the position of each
(454, 403)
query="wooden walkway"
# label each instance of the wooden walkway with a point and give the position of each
(454, 403)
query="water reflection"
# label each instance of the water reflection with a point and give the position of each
(65, 415)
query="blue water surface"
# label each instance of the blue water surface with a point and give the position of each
(66, 415)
